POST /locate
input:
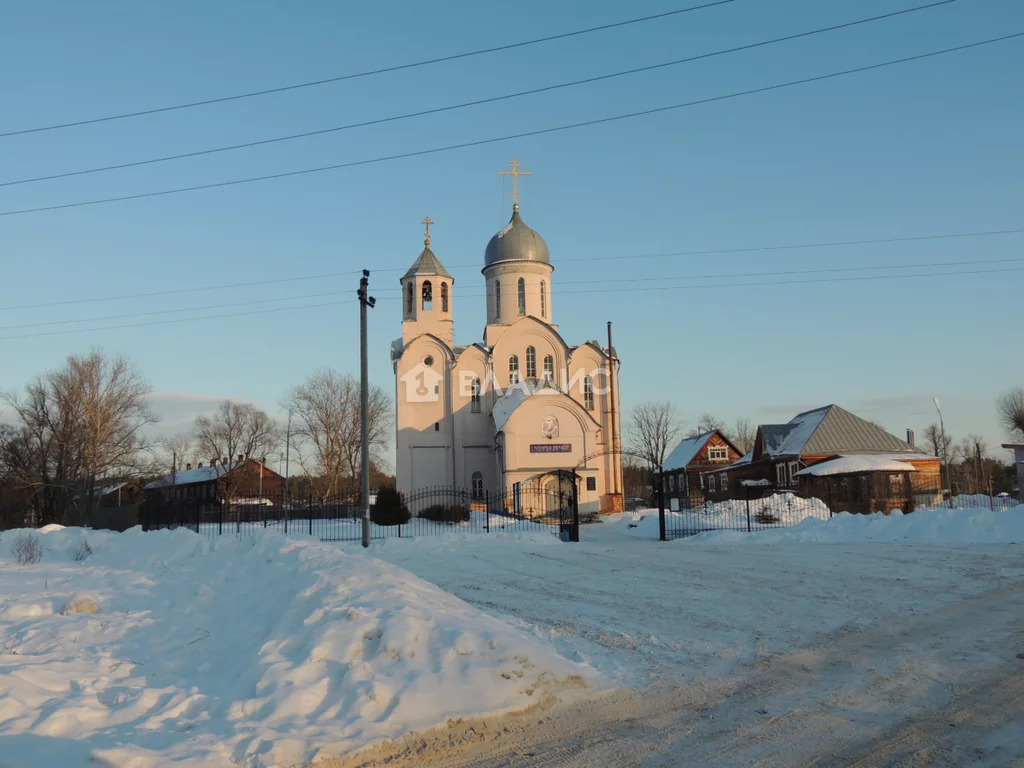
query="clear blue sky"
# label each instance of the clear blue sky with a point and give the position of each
(923, 148)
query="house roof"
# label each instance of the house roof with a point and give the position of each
(189, 476)
(427, 264)
(849, 465)
(826, 430)
(683, 454)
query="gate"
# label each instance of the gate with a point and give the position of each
(552, 498)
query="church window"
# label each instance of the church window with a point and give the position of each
(543, 299)
(444, 297)
(513, 370)
(588, 393)
(591, 483)
(409, 298)
(478, 486)
(428, 295)
(474, 396)
(549, 368)
(531, 363)
(437, 426)
(522, 296)
(497, 299)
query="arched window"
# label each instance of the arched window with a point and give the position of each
(549, 368)
(588, 393)
(513, 370)
(444, 297)
(522, 296)
(428, 295)
(531, 363)
(409, 298)
(478, 486)
(474, 396)
(497, 299)
(543, 299)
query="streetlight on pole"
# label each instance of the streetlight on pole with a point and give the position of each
(365, 301)
(945, 450)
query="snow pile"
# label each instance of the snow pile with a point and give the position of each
(259, 651)
(935, 525)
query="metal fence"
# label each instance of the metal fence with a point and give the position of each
(431, 511)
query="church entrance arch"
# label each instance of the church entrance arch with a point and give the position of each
(560, 502)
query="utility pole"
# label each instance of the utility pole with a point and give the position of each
(287, 454)
(365, 302)
(945, 451)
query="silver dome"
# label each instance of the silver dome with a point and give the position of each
(516, 242)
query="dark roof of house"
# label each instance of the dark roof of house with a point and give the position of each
(829, 430)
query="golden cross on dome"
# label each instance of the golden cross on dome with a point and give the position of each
(426, 223)
(515, 173)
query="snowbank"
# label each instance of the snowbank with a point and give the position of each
(255, 651)
(935, 525)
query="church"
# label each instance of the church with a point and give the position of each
(511, 410)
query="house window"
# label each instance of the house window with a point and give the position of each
(543, 299)
(531, 363)
(549, 368)
(718, 453)
(497, 299)
(591, 483)
(781, 478)
(478, 486)
(671, 482)
(474, 396)
(513, 370)
(444, 297)
(522, 296)
(588, 393)
(409, 297)
(794, 467)
(723, 481)
(428, 295)
(711, 483)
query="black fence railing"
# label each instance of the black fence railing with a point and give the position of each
(428, 512)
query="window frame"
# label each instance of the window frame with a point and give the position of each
(474, 395)
(531, 362)
(521, 295)
(549, 370)
(543, 299)
(513, 370)
(427, 296)
(444, 297)
(718, 453)
(497, 299)
(588, 393)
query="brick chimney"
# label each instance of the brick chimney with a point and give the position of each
(910, 438)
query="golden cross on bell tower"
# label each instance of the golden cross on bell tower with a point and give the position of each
(426, 223)
(515, 173)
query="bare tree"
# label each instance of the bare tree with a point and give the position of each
(182, 449)
(329, 413)
(236, 430)
(934, 440)
(743, 435)
(1011, 412)
(706, 423)
(654, 430)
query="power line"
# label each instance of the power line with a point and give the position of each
(368, 73)
(705, 252)
(477, 102)
(510, 137)
(760, 283)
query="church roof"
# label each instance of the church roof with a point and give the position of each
(516, 242)
(427, 264)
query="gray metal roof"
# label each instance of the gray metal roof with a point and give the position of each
(516, 242)
(828, 430)
(427, 264)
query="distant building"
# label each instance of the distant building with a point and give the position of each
(240, 481)
(1018, 460)
(693, 457)
(120, 495)
(838, 457)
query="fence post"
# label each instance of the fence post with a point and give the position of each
(220, 518)
(991, 498)
(198, 514)
(829, 486)
(749, 529)
(487, 511)
(662, 533)
(285, 502)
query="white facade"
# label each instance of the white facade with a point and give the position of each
(515, 407)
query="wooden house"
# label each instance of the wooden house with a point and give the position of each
(840, 458)
(693, 457)
(243, 481)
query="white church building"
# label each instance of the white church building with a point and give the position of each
(518, 405)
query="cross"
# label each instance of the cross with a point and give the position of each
(426, 223)
(515, 173)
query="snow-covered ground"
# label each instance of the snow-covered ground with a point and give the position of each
(262, 650)
(166, 647)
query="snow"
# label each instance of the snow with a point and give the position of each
(165, 647)
(683, 454)
(845, 465)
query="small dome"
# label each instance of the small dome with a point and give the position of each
(516, 242)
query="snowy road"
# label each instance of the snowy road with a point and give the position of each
(794, 653)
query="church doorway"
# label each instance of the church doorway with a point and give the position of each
(560, 502)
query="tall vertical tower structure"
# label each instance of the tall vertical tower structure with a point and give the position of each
(515, 408)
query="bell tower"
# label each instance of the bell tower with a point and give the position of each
(428, 296)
